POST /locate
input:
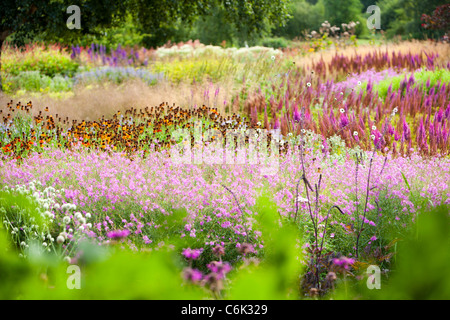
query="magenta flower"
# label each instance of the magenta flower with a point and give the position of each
(220, 268)
(118, 234)
(192, 253)
(193, 275)
(344, 262)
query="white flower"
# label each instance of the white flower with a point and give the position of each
(359, 83)
(290, 134)
(373, 137)
(256, 135)
(309, 84)
(88, 215)
(44, 244)
(60, 239)
(342, 110)
(395, 110)
(273, 58)
(301, 199)
(78, 215)
(374, 128)
(355, 133)
(258, 123)
(303, 131)
(66, 220)
(67, 259)
(23, 244)
(342, 93)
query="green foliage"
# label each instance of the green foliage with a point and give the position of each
(34, 81)
(277, 276)
(209, 29)
(48, 61)
(249, 18)
(421, 79)
(105, 274)
(126, 34)
(342, 11)
(305, 17)
(275, 43)
(420, 271)
(402, 17)
(179, 70)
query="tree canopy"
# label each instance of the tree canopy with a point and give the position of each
(24, 18)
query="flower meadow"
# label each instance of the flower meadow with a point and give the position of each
(361, 143)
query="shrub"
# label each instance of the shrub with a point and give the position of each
(48, 61)
(34, 81)
(275, 43)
